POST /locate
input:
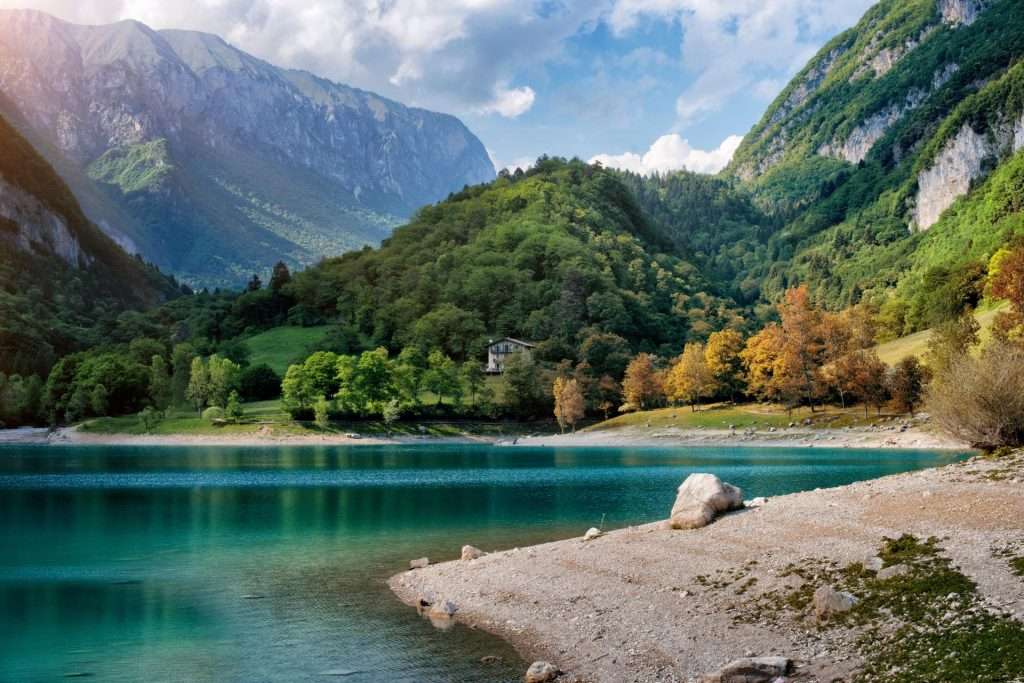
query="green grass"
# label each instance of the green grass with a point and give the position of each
(917, 344)
(282, 346)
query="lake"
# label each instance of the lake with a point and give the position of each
(268, 564)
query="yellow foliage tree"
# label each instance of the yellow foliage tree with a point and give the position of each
(722, 356)
(570, 406)
(642, 385)
(689, 380)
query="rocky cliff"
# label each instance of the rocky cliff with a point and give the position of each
(223, 161)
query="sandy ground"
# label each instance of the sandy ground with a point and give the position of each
(882, 436)
(630, 606)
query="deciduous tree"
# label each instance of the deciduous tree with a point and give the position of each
(689, 380)
(570, 406)
(722, 356)
(641, 386)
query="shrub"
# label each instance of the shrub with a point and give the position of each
(981, 400)
(259, 383)
(213, 413)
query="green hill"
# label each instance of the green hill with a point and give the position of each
(562, 255)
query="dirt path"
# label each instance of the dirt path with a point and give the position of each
(652, 604)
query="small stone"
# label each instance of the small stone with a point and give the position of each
(542, 672)
(490, 659)
(828, 601)
(873, 563)
(893, 571)
(445, 608)
(750, 670)
(592, 533)
(471, 553)
(419, 563)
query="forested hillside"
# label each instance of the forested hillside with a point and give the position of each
(562, 255)
(918, 107)
(60, 276)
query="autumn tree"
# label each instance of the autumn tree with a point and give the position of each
(762, 358)
(609, 394)
(950, 341)
(722, 356)
(906, 384)
(689, 380)
(804, 346)
(1006, 281)
(570, 406)
(641, 386)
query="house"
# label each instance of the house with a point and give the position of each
(499, 350)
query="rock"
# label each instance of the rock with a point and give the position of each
(490, 659)
(419, 563)
(893, 571)
(750, 670)
(471, 553)
(873, 563)
(760, 501)
(444, 608)
(542, 672)
(701, 498)
(592, 533)
(828, 601)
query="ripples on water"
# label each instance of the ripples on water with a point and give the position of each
(268, 564)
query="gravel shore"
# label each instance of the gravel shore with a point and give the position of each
(652, 604)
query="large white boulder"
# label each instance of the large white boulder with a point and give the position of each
(701, 498)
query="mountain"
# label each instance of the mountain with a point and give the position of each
(214, 164)
(562, 255)
(893, 159)
(59, 273)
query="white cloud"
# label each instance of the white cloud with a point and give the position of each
(509, 102)
(672, 153)
(739, 46)
(448, 55)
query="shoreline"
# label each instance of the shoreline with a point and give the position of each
(648, 603)
(888, 438)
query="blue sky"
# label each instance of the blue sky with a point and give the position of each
(644, 84)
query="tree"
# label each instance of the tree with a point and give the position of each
(1006, 281)
(979, 399)
(689, 379)
(722, 356)
(181, 361)
(409, 367)
(159, 384)
(198, 390)
(99, 400)
(570, 406)
(442, 377)
(473, 379)
(641, 386)
(150, 419)
(322, 413)
(906, 384)
(391, 413)
(233, 410)
(297, 392)
(280, 276)
(950, 341)
(609, 394)
(522, 390)
(259, 383)
(762, 358)
(322, 373)
(803, 349)
(223, 378)
(374, 380)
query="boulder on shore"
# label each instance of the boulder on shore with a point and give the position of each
(701, 498)
(750, 670)
(471, 553)
(542, 672)
(419, 563)
(592, 533)
(828, 601)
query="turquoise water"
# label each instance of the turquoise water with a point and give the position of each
(268, 564)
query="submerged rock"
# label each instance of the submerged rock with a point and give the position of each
(700, 499)
(542, 672)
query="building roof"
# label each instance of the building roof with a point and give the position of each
(520, 342)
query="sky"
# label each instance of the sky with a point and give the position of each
(649, 85)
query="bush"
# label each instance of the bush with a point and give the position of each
(981, 400)
(213, 413)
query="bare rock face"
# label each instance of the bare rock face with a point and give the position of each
(950, 176)
(701, 498)
(828, 602)
(750, 670)
(960, 12)
(542, 672)
(37, 229)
